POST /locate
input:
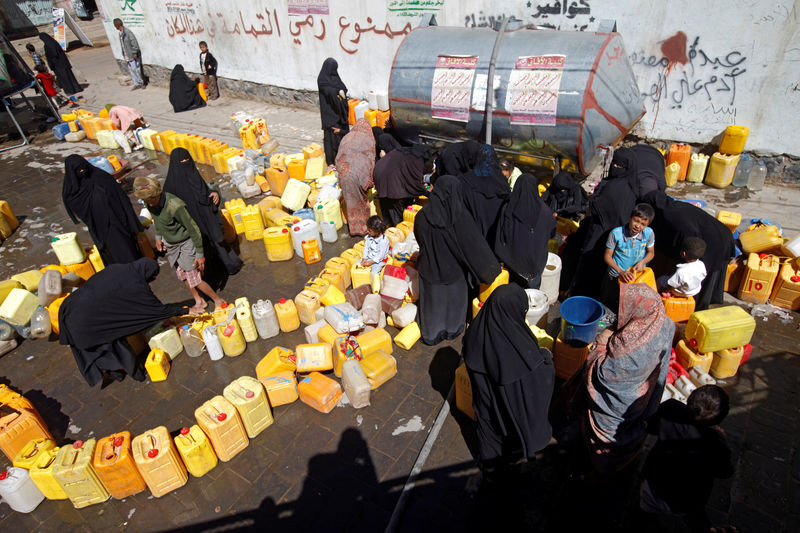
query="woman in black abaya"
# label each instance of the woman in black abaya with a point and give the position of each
(485, 191)
(94, 197)
(610, 206)
(183, 92)
(566, 197)
(457, 158)
(512, 380)
(526, 224)
(185, 182)
(450, 247)
(650, 167)
(59, 63)
(399, 177)
(95, 319)
(333, 108)
(676, 220)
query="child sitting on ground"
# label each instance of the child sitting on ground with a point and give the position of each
(628, 249)
(178, 235)
(688, 276)
(690, 453)
(376, 246)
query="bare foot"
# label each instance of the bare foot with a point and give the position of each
(200, 304)
(196, 310)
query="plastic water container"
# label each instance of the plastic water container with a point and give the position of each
(40, 323)
(792, 246)
(551, 277)
(159, 462)
(355, 382)
(231, 338)
(18, 491)
(312, 331)
(382, 100)
(265, 318)
(220, 420)
(113, 461)
(720, 170)
(733, 139)
(726, 362)
(303, 231)
(101, 163)
(671, 173)
(697, 168)
(307, 303)
(380, 367)
(786, 292)
(464, 392)
(361, 108)
(680, 153)
(192, 341)
(404, 315)
(690, 358)
(250, 400)
(18, 307)
(700, 378)
(288, 318)
(538, 305)
(306, 213)
(319, 392)
(68, 249)
(371, 309)
(487, 290)
(579, 318)
(196, 451)
(759, 276)
(343, 317)
(720, 328)
(168, 340)
(211, 340)
(757, 176)
(327, 210)
(49, 287)
(295, 195)
(74, 472)
(315, 167)
(328, 230)
(408, 336)
(311, 251)
(760, 238)
(394, 287)
(314, 357)
(157, 365)
(742, 172)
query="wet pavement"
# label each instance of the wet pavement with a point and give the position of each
(344, 471)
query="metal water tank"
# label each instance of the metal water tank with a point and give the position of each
(598, 100)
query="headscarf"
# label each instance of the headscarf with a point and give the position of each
(623, 166)
(457, 158)
(93, 196)
(650, 167)
(625, 378)
(499, 343)
(355, 159)
(59, 63)
(526, 224)
(565, 196)
(122, 116)
(185, 182)
(613, 200)
(183, 92)
(450, 242)
(677, 220)
(387, 142)
(112, 304)
(399, 175)
(332, 109)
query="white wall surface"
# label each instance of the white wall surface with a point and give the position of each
(742, 57)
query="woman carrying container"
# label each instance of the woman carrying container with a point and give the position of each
(354, 164)
(399, 177)
(202, 202)
(512, 380)
(94, 197)
(623, 378)
(184, 95)
(525, 226)
(333, 108)
(566, 197)
(450, 247)
(113, 304)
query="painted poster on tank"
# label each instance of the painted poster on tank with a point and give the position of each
(532, 97)
(452, 87)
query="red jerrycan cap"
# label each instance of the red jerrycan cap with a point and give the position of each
(229, 331)
(3, 475)
(184, 431)
(693, 343)
(222, 417)
(795, 279)
(296, 228)
(152, 453)
(480, 304)
(763, 256)
(303, 242)
(224, 305)
(118, 441)
(77, 444)
(285, 230)
(249, 394)
(282, 301)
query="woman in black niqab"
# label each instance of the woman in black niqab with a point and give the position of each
(676, 220)
(185, 182)
(526, 224)
(183, 92)
(94, 197)
(113, 304)
(59, 63)
(650, 170)
(450, 248)
(457, 158)
(333, 108)
(512, 379)
(399, 178)
(566, 197)
(485, 190)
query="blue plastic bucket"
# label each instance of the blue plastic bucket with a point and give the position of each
(579, 318)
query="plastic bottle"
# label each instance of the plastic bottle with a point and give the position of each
(191, 341)
(40, 323)
(265, 318)
(757, 176)
(742, 172)
(212, 343)
(6, 331)
(328, 229)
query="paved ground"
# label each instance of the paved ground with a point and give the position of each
(344, 471)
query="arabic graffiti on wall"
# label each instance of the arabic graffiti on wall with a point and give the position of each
(130, 11)
(575, 15)
(414, 8)
(308, 7)
(452, 86)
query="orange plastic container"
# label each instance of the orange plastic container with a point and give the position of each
(351, 113)
(277, 179)
(159, 462)
(278, 359)
(342, 267)
(19, 428)
(296, 169)
(281, 388)
(679, 309)
(13, 399)
(219, 420)
(375, 340)
(759, 276)
(379, 367)
(319, 391)
(786, 292)
(114, 464)
(680, 153)
(83, 270)
(311, 253)
(645, 276)
(567, 359)
(733, 274)
(464, 392)
(688, 357)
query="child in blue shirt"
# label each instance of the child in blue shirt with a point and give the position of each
(376, 245)
(628, 249)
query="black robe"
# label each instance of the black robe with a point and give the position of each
(512, 378)
(450, 248)
(566, 197)
(183, 92)
(59, 63)
(333, 110)
(650, 168)
(676, 220)
(185, 182)
(114, 303)
(399, 178)
(526, 224)
(94, 197)
(485, 191)
(457, 158)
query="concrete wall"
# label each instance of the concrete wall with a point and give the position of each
(700, 65)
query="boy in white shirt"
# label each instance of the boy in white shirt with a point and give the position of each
(688, 276)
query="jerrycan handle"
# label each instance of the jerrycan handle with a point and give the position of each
(34, 451)
(186, 434)
(152, 452)
(244, 393)
(50, 461)
(217, 416)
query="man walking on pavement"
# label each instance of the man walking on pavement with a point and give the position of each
(131, 53)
